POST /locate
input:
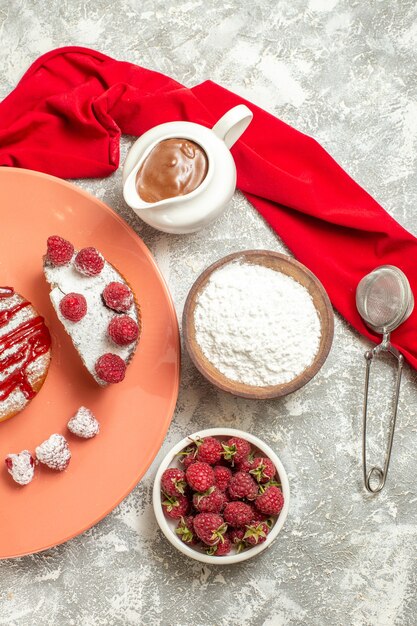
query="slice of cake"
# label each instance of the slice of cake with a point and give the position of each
(25, 352)
(96, 307)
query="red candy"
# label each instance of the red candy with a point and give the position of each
(59, 250)
(118, 297)
(73, 307)
(110, 368)
(123, 330)
(89, 262)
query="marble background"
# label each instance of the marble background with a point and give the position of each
(345, 72)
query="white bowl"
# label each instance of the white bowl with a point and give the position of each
(168, 526)
(193, 211)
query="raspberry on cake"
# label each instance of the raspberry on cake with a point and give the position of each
(73, 307)
(89, 262)
(123, 330)
(97, 308)
(117, 296)
(59, 250)
(25, 352)
(110, 368)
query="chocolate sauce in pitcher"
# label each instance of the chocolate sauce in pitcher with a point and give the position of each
(174, 167)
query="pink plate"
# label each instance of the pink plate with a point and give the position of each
(134, 415)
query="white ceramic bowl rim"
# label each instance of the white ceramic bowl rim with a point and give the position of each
(187, 131)
(191, 552)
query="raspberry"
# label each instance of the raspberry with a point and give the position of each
(89, 262)
(222, 476)
(123, 330)
(187, 456)
(59, 250)
(244, 465)
(185, 530)
(73, 307)
(220, 549)
(173, 482)
(110, 368)
(271, 501)
(21, 467)
(237, 514)
(236, 537)
(187, 461)
(175, 507)
(211, 501)
(242, 486)
(54, 452)
(257, 516)
(256, 534)
(84, 424)
(236, 449)
(209, 450)
(118, 297)
(262, 469)
(210, 528)
(200, 476)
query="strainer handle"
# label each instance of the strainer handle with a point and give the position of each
(377, 472)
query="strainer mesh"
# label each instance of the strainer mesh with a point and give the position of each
(381, 298)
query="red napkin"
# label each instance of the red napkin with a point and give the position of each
(67, 113)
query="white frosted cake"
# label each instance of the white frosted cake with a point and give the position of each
(96, 307)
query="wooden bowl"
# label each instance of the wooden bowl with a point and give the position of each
(280, 263)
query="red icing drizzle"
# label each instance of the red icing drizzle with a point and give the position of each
(32, 338)
(6, 316)
(6, 292)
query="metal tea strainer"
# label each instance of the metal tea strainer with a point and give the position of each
(384, 301)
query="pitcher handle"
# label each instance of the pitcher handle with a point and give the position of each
(233, 124)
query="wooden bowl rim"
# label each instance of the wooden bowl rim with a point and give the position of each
(250, 391)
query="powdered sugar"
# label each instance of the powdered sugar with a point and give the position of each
(21, 467)
(256, 325)
(89, 335)
(84, 424)
(54, 452)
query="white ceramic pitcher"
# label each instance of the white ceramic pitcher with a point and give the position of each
(193, 211)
